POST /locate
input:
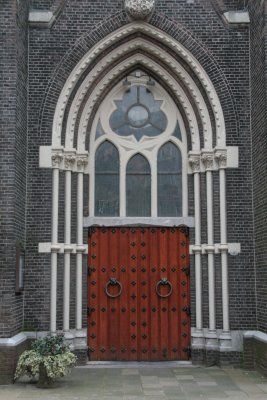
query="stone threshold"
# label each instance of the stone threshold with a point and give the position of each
(136, 364)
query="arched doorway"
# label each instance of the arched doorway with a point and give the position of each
(138, 283)
(193, 128)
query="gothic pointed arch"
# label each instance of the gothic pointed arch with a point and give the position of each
(198, 62)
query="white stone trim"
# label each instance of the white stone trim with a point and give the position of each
(237, 17)
(41, 18)
(63, 248)
(257, 335)
(232, 159)
(111, 39)
(232, 342)
(45, 153)
(117, 71)
(233, 248)
(20, 338)
(149, 48)
(139, 221)
(77, 339)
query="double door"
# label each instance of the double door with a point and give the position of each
(138, 294)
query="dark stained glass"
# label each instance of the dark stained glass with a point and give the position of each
(138, 114)
(169, 181)
(107, 169)
(138, 187)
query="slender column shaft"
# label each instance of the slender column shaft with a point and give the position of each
(198, 272)
(224, 255)
(79, 254)
(53, 283)
(212, 317)
(66, 300)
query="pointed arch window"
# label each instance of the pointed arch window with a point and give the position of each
(138, 150)
(138, 187)
(107, 168)
(169, 168)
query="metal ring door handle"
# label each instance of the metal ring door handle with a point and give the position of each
(164, 282)
(113, 282)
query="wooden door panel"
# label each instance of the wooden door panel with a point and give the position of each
(148, 320)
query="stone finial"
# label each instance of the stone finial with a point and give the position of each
(139, 9)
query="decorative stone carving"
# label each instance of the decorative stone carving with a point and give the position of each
(139, 9)
(82, 161)
(56, 159)
(194, 161)
(207, 160)
(221, 158)
(69, 161)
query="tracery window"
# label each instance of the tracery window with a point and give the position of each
(138, 153)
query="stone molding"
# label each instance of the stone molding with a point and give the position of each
(110, 40)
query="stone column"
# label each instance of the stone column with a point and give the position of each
(194, 161)
(211, 337)
(82, 161)
(56, 161)
(221, 159)
(69, 162)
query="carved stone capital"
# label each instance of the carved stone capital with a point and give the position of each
(56, 158)
(82, 161)
(139, 9)
(207, 160)
(221, 158)
(194, 162)
(69, 161)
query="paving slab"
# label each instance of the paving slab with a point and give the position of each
(149, 381)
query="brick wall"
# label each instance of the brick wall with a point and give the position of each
(224, 53)
(13, 143)
(8, 361)
(259, 149)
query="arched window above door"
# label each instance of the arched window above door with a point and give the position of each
(138, 187)
(138, 152)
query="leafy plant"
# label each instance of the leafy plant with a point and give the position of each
(50, 354)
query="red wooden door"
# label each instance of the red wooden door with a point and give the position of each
(138, 294)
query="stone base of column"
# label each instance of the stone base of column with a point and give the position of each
(225, 341)
(211, 340)
(80, 339)
(69, 339)
(197, 339)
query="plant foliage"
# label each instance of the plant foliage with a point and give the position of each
(52, 353)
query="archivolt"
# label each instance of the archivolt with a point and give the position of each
(163, 57)
(173, 67)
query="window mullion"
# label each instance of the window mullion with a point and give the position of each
(122, 187)
(154, 195)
